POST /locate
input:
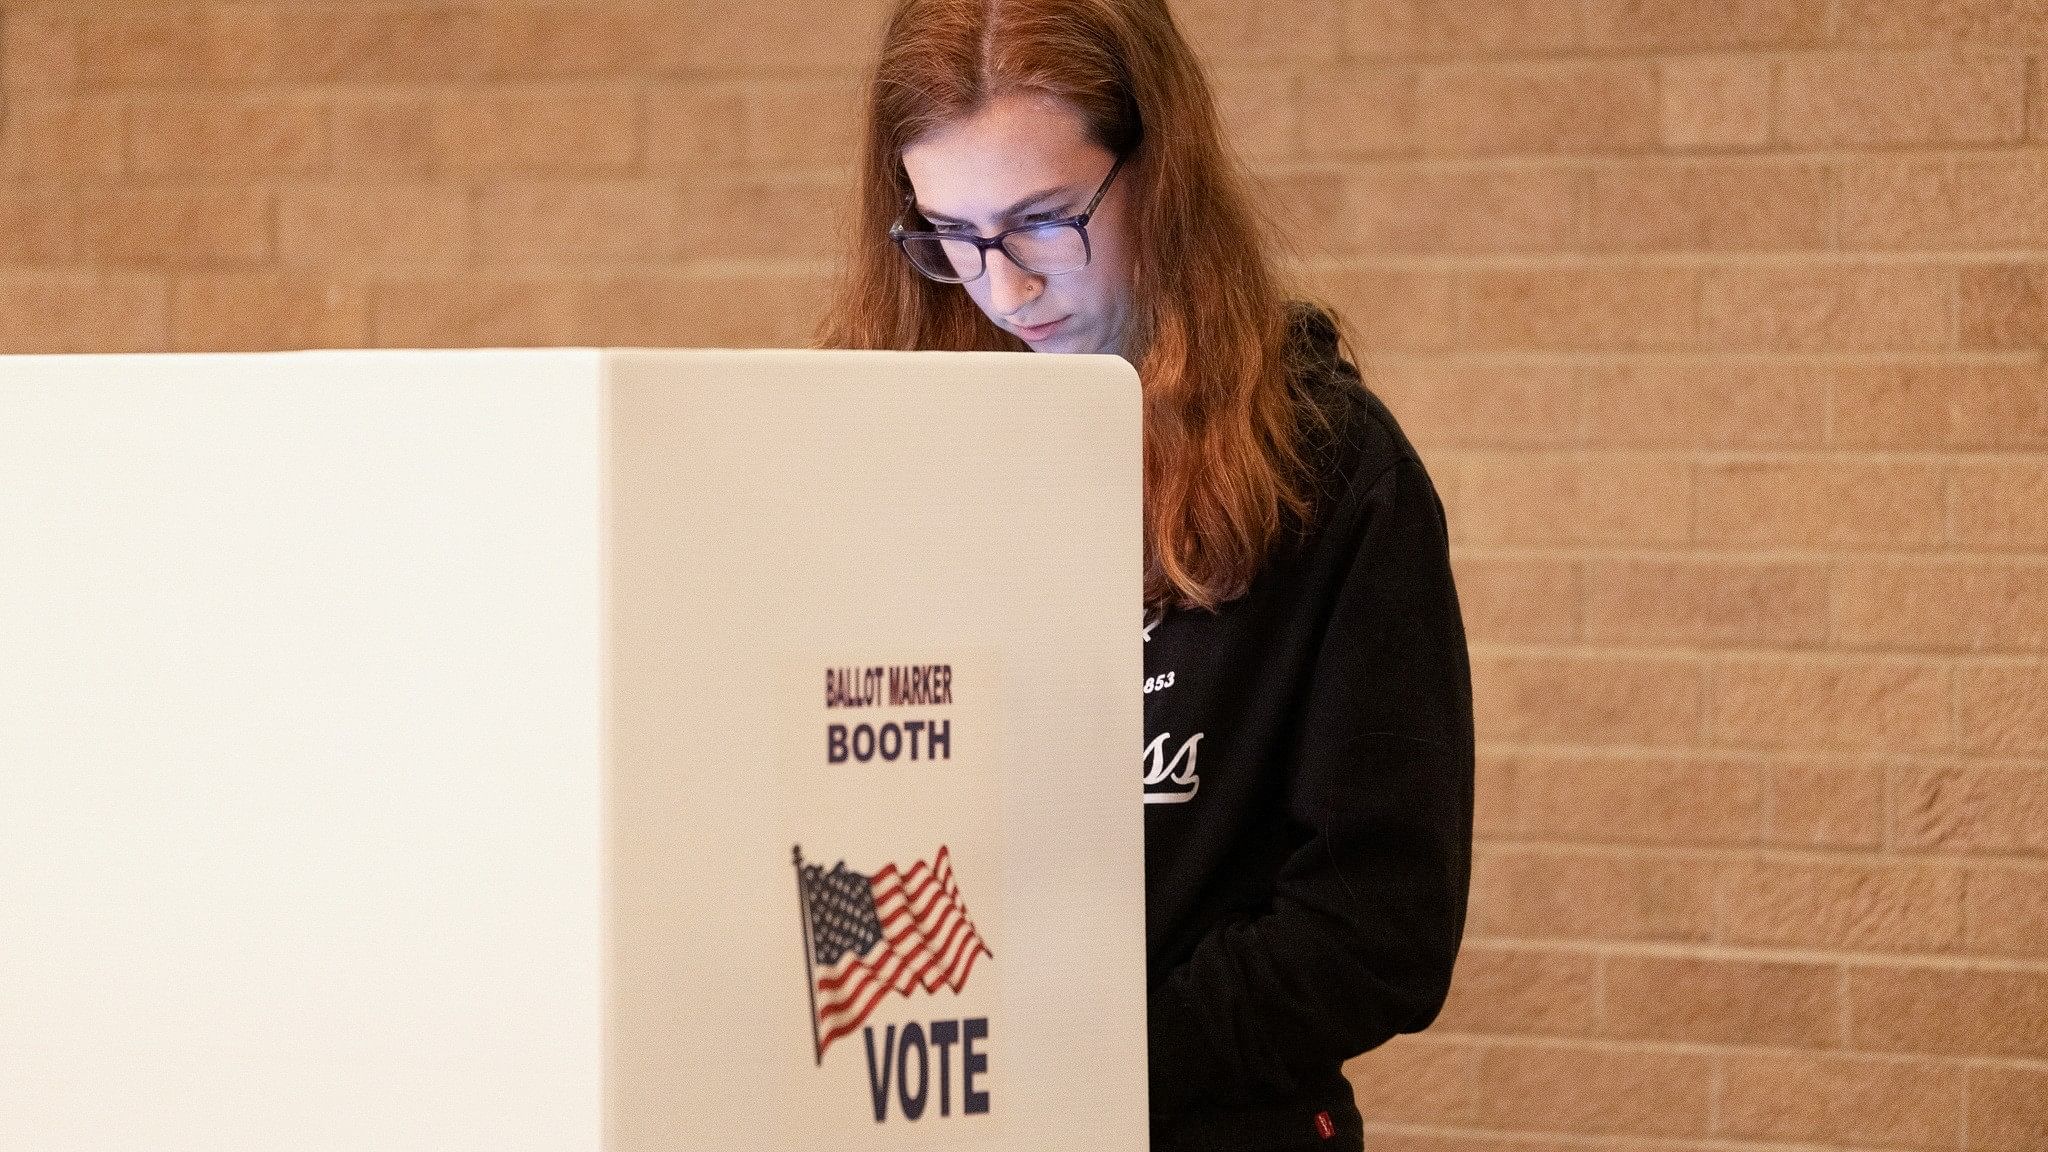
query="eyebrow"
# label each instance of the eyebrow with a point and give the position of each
(1010, 213)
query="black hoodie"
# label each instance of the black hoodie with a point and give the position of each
(1308, 798)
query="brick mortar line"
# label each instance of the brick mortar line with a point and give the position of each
(636, 78)
(2014, 861)
(1953, 310)
(1965, 757)
(1695, 512)
(680, 175)
(1766, 954)
(2029, 77)
(1710, 554)
(1725, 156)
(1829, 46)
(1890, 836)
(1272, 165)
(1711, 648)
(1470, 59)
(1771, 757)
(1268, 169)
(1738, 854)
(1676, 550)
(457, 179)
(1832, 598)
(266, 91)
(1599, 1004)
(1819, 453)
(1845, 1015)
(1832, 180)
(1963, 1119)
(1833, 41)
(1819, 254)
(336, 275)
(110, 277)
(69, 275)
(1649, 52)
(1616, 51)
(592, 273)
(1722, 653)
(1818, 260)
(1816, 453)
(1822, 758)
(1852, 857)
(1449, 264)
(1552, 1136)
(1601, 358)
(484, 268)
(636, 81)
(1699, 1048)
(1717, 1085)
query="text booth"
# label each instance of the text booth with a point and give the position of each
(570, 749)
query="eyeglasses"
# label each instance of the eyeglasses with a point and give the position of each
(1049, 248)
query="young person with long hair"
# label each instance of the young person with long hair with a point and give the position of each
(1050, 175)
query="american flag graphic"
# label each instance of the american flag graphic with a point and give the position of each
(865, 936)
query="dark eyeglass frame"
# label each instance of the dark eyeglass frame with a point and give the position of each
(1079, 223)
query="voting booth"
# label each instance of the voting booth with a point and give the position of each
(570, 749)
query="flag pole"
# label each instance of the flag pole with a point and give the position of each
(803, 908)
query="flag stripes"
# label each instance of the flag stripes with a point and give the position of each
(926, 940)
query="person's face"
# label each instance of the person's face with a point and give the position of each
(981, 174)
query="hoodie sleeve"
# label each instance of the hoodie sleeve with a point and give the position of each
(1368, 912)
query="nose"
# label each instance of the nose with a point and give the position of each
(1010, 287)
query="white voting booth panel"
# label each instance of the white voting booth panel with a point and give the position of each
(570, 749)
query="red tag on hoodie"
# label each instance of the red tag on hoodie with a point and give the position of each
(1324, 1127)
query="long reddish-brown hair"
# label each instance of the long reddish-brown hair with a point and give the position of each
(1225, 472)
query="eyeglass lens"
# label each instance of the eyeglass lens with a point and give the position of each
(1047, 251)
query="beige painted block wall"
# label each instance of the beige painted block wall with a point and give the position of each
(1720, 325)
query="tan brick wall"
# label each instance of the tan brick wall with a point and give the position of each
(1720, 324)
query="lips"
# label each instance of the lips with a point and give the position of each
(1041, 331)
